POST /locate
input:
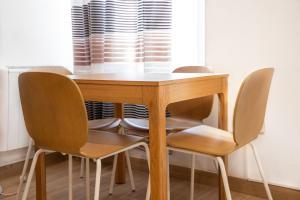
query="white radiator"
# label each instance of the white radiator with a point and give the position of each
(13, 134)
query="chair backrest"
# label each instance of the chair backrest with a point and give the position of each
(54, 111)
(52, 69)
(250, 106)
(193, 109)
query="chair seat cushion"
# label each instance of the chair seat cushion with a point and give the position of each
(102, 143)
(203, 139)
(172, 123)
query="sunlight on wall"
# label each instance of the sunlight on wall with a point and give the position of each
(188, 33)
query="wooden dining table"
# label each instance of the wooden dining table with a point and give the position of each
(155, 91)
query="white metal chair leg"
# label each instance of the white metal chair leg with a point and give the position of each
(224, 177)
(29, 178)
(130, 171)
(87, 179)
(97, 179)
(111, 187)
(121, 130)
(112, 179)
(168, 176)
(23, 175)
(148, 193)
(81, 167)
(216, 165)
(259, 166)
(70, 177)
(192, 177)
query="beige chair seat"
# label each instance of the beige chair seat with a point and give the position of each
(104, 123)
(203, 139)
(102, 143)
(172, 123)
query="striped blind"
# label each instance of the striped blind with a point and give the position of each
(99, 110)
(117, 34)
(121, 32)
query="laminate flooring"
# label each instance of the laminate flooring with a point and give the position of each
(57, 186)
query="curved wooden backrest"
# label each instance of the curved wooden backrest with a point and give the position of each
(54, 111)
(192, 69)
(52, 69)
(193, 109)
(250, 106)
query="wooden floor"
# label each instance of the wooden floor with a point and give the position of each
(57, 180)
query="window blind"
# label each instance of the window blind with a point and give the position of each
(100, 110)
(117, 34)
(121, 31)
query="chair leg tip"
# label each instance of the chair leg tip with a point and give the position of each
(110, 194)
(133, 190)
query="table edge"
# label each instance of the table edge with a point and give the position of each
(146, 83)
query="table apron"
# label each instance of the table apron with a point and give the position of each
(112, 93)
(196, 89)
(134, 94)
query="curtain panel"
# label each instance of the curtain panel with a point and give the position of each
(112, 33)
(100, 110)
(121, 36)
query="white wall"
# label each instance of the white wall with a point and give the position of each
(35, 32)
(242, 36)
(188, 38)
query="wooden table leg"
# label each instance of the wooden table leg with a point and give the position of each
(223, 124)
(158, 148)
(120, 171)
(40, 176)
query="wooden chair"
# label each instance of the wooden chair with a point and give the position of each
(99, 124)
(185, 114)
(248, 120)
(56, 119)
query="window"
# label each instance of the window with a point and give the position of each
(137, 35)
(188, 33)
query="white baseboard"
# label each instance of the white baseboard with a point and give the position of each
(11, 157)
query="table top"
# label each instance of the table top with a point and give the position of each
(153, 79)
